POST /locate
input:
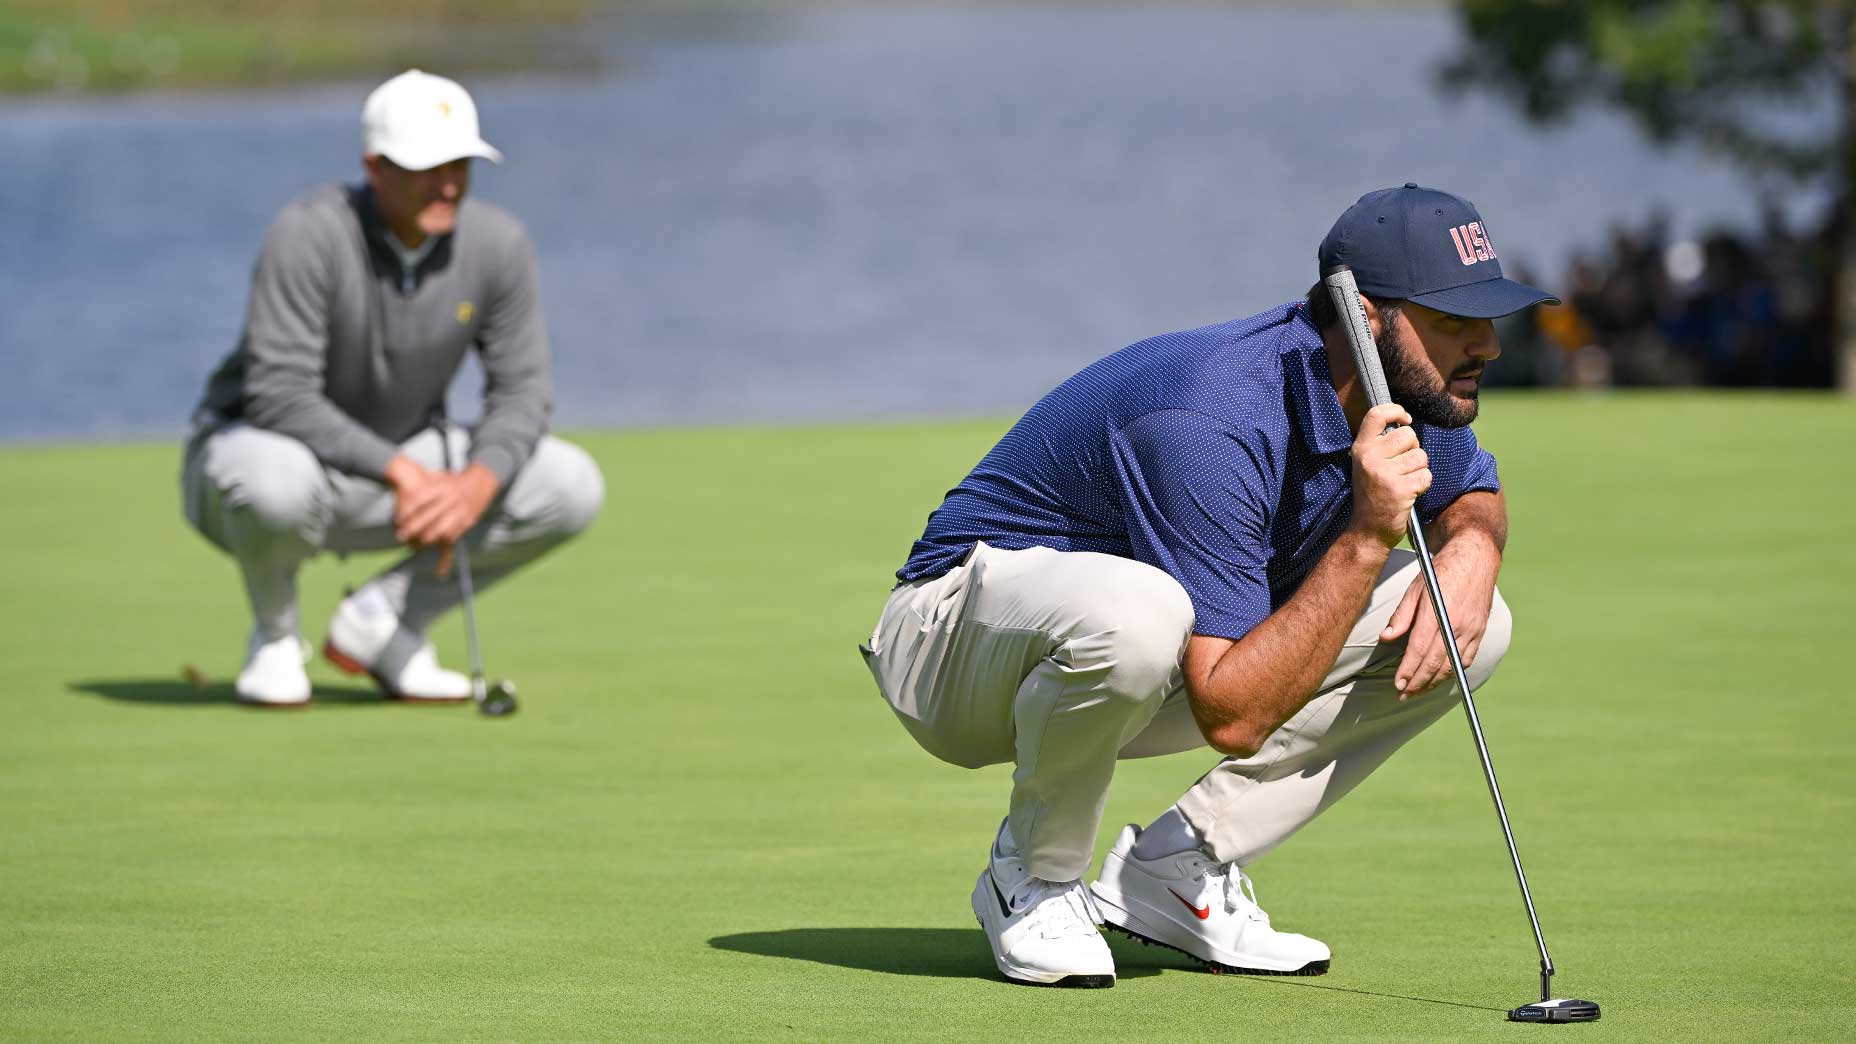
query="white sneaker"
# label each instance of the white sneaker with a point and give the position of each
(357, 639)
(1042, 933)
(273, 674)
(1191, 903)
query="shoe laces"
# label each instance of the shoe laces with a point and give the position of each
(1240, 892)
(1060, 908)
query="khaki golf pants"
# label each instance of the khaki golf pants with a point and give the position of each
(1062, 662)
(266, 500)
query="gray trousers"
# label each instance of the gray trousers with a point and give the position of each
(267, 501)
(1063, 662)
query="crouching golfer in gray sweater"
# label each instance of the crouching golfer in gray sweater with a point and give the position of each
(316, 432)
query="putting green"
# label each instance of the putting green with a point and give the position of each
(705, 825)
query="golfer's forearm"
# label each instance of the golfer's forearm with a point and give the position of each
(1476, 515)
(515, 417)
(1261, 680)
(307, 416)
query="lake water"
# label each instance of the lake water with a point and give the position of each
(818, 214)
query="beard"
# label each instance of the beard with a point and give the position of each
(1416, 385)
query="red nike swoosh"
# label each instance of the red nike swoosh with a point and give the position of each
(1202, 913)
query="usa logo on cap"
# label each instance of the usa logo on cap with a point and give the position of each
(1472, 243)
(1428, 246)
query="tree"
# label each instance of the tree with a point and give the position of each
(1721, 73)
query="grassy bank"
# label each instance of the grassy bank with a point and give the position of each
(705, 826)
(111, 45)
(76, 46)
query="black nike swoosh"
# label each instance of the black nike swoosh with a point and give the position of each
(1004, 910)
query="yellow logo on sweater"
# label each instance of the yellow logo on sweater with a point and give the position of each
(465, 311)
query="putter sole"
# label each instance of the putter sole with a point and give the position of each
(1564, 1010)
(499, 701)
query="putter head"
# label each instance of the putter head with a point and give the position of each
(499, 702)
(1556, 1011)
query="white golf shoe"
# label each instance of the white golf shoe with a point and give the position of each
(273, 674)
(356, 642)
(1043, 933)
(1190, 902)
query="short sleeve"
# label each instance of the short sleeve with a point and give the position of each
(1198, 495)
(1458, 466)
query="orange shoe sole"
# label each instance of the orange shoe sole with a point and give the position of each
(349, 665)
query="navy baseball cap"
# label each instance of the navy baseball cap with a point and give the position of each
(1427, 246)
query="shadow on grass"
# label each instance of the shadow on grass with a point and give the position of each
(942, 953)
(1308, 984)
(197, 693)
(1130, 954)
(960, 953)
(1129, 951)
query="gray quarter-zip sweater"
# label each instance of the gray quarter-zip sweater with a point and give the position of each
(350, 355)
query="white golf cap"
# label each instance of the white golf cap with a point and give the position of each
(420, 121)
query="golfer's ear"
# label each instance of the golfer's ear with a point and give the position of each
(1372, 316)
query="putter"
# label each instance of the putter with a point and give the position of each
(494, 701)
(1346, 295)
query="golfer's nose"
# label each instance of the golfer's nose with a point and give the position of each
(1483, 344)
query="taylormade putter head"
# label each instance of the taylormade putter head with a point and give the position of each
(1556, 1011)
(500, 701)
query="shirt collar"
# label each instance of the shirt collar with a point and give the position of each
(1312, 398)
(374, 226)
(410, 257)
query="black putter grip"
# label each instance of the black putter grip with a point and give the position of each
(1346, 295)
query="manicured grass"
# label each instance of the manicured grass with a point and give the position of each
(108, 45)
(74, 46)
(704, 825)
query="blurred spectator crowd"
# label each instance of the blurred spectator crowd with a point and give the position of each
(1728, 310)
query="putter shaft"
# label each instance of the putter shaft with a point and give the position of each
(1416, 529)
(479, 690)
(1346, 295)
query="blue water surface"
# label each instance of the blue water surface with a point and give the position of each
(819, 214)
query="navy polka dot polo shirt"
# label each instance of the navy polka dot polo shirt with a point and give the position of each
(1218, 455)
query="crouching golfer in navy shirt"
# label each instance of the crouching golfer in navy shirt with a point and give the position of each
(1193, 542)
